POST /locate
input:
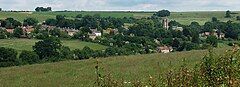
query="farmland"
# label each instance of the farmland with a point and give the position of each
(182, 17)
(26, 44)
(81, 73)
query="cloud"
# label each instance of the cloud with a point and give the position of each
(173, 5)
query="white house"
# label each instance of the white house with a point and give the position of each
(96, 32)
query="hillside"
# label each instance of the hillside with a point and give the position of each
(182, 17)
(26, 44)
(81, 73)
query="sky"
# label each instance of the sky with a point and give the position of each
(123, 5)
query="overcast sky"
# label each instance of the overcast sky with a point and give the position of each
(126, 5)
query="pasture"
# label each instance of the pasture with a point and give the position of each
(182, 17)
(82, 73)
(26, 44)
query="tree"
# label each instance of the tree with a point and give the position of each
(238, 18)
(17, 32)
(212, 40)
(51, 22)
(232, 30)
(208, 27)
(48, 49)
(85, 53)
(55, 32)
(3, 34)
(228, 14)
(214, 19)
(0, 9)
(8, 57)
(162, 13)
(66, 53)
(12, 23)
(42, 9)
(195, 37)
(30, 22)
(29, 57)
(175, 43)
(60, 17)
(79, 16)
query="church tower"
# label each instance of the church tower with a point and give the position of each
(165, 23)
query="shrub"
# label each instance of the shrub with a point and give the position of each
(212, 40)
(8, 57)
(85, 53)
(66, 53)
(29, 57)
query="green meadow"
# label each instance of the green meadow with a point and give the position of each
(26, 44)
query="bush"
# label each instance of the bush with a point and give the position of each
(85, 53)
(238, 18)
(66, 53)
(29, 57)
(8, 57)
(212, 40)
(230, 44)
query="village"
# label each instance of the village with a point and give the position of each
(94, 33)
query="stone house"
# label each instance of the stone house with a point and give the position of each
(164, 49)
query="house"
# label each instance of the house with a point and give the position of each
(9, 30)
(71, 32)
(177, 28)
(164, 49)
(110, 31)
(218, 35)
(44, 27)
(221, 35)
(96, 32)
(27, 29)
(92, 36)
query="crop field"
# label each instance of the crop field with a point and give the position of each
(182, 17)
(26, 44)
(82, 73)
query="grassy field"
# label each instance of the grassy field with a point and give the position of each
(82, 73)
(26, 44)
(182, 17)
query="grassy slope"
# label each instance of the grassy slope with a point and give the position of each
(81, 73)
(201, 17)
(182, 17)
(26, 44)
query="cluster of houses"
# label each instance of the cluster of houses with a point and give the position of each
(219, 35)
(26, 30)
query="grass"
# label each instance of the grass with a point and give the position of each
(182, 17)
(82, 74)
(201, 17)
(26, 44)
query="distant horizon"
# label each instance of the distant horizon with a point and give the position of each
(122, 5)
(125, 10)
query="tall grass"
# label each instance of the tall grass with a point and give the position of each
(213, 71)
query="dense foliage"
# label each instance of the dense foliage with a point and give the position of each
(29, 57)
(42, 9)
(48, 49)
(30, 22)
(162, 13)
(8, 57)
